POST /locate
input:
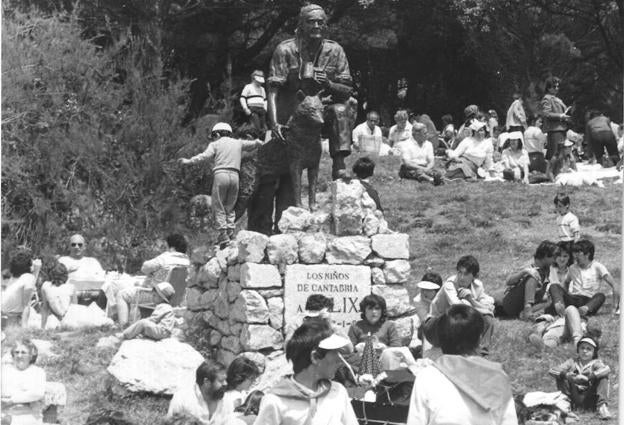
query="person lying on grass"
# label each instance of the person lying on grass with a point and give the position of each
(550, 331)
(585, 379)
(161, 322)
(525, 289)
(582, 286)
(462, 288)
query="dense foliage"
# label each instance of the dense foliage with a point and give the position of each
(99, 97)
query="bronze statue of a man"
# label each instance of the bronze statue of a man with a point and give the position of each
(311, 63)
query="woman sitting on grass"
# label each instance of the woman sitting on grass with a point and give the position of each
(23, 386)
(560, 268)
(56, 294)
(472, 154)
(515, 159)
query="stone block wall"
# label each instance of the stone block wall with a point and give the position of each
(239, 293)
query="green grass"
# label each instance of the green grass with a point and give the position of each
(499, 223)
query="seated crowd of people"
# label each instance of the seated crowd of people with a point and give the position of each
(521, 150)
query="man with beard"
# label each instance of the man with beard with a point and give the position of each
(202, 400)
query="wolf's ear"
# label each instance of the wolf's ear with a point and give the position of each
(300, 95)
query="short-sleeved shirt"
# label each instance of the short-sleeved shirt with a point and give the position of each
(158, 268)
(362, 132)
(254, 96)
(14, 296)
(586, 281)
(189, 402)
(286, 73)
(534, 140)
(84, 268)
(395, 135)
(412, 151)
(568, 224)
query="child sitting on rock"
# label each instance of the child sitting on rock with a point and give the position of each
(161, 322)
(585, 379)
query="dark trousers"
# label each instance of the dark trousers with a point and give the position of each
(516, 128)
(554, 141)
(258, 119)
(520, 295)
(339, 120)
(559, 294)
(592, 397)
(537, 162)
(598, 142)
(273, 195)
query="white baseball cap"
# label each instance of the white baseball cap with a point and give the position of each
(336, 342)
(568, 143)
(425, 284)
(220, 126)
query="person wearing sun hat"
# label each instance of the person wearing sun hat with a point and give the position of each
(585, 379)
(161, 322)
(309, 396)
(253, 100)
(473, 156)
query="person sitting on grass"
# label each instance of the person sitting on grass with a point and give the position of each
(560, 268)
(473, 156)
(240, 376)
(374, 322)
(309, 396)
(417, 159)
(56, 294)
(567, 222)
(515, 159)
(460, 387)
(463, 288)
(201, 401)
(428, 288)
(246, 413)
(582, 287)
(161, 322)
(363, 169)
(585, 379)
(20, 290)
(525, 289)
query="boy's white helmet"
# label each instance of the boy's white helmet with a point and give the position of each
(222, 126)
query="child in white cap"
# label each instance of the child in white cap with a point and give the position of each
(227, 153)
(585, 379)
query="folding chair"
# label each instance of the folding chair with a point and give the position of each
(177, 279)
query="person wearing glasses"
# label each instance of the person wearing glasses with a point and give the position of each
(80, 267)
(556, 119)
(23, 386)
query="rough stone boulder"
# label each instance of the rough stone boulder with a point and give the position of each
(294, 219)
(254, 275)
(251, 246)
(259, 337)
(397, 271)
(210, 273)
(158, 367)
(250, 307)
(348, 250)
(347, 209)
(276, 367)
(406, 326)
(282, 249)
(312, 248)
(397, 299)
(276, 312)
(393, 246)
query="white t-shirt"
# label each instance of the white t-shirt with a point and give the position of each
(568, 225)
(189, 402)
(363, 135)
(395, 136)
(14, 296)
(27, 388)
(157, 269)
(534, 140)
(334, 408)
(479, 152)
(255, 96)
(411, 151)
(587, 281)
(85, 268)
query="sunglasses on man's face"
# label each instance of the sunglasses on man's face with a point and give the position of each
(76, 244)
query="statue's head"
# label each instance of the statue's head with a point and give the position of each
(312, 21)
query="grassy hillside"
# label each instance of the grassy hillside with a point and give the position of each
(499, 223)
